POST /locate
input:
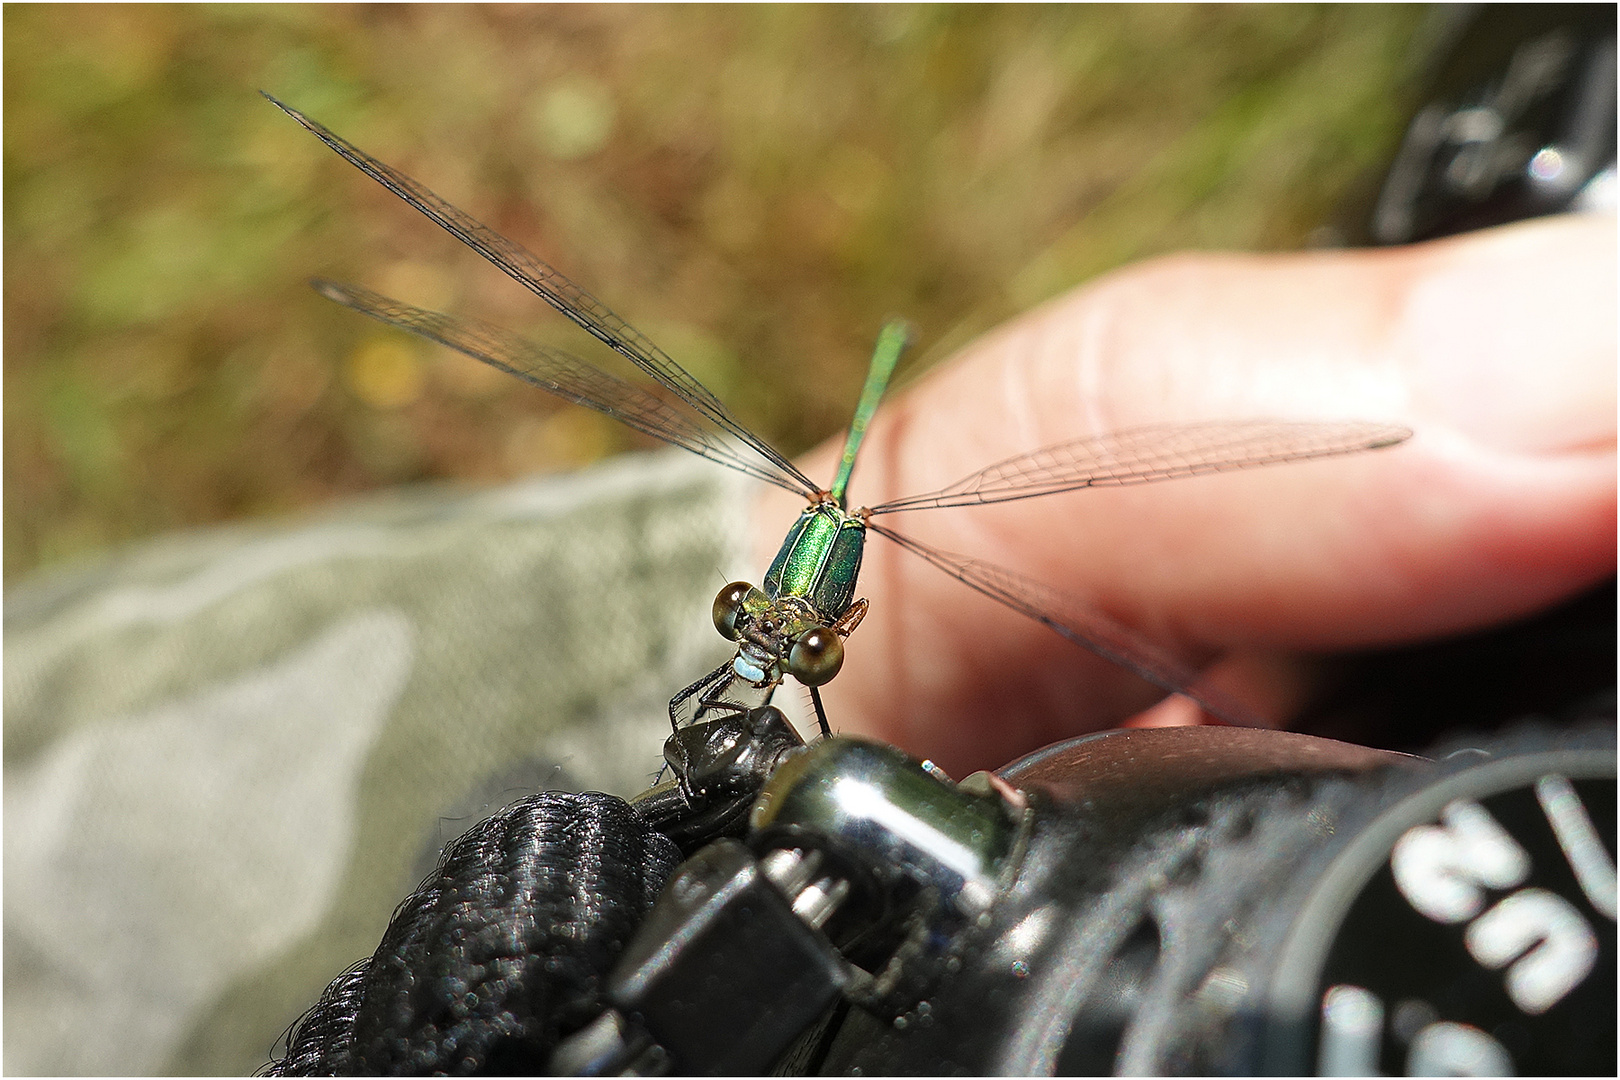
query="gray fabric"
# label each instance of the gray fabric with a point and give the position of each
(229, 754)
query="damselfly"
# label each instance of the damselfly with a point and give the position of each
(795, 622)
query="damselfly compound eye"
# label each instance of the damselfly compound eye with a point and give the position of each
(816, 656)
(729, 607)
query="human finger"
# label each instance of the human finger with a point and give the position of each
(1497, 349)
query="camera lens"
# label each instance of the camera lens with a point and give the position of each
(1207, 901)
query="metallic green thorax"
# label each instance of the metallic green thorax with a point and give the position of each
(819, 560)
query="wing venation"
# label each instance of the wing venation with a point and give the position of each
(1156, 452)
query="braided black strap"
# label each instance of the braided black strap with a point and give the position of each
(499, 953)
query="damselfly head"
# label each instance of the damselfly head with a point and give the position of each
(782, 635)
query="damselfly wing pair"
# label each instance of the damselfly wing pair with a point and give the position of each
(795, 621)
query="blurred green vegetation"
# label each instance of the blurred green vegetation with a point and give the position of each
(756, 188)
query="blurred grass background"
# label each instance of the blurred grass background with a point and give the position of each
(756, 188)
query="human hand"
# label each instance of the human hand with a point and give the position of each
(1497, 348)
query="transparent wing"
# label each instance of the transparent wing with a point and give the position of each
(555, 289)
(1085, 626)
(562, 374)
(1157, 452)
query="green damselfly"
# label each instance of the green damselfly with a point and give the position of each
(795, 623)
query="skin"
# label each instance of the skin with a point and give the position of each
(1498, 349)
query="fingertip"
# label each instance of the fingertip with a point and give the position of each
(1509, 335)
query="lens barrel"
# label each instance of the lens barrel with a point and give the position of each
(1225, 901)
